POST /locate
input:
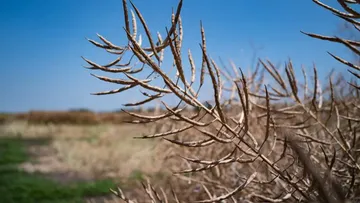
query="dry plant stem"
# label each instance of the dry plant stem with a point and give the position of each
(254, 131)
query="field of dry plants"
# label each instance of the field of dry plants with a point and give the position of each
(76, 153)
(286, 140)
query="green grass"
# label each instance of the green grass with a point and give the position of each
(136, 175)
(22, 187)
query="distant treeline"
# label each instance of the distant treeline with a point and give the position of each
(76, 117)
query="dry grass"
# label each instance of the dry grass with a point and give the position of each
(89, 152)
(69, 117)
(72, 117)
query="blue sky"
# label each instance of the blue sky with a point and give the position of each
(42, 43)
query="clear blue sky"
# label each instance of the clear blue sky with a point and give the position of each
(42, 43)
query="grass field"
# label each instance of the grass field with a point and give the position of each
(64, 163)
(17, 185)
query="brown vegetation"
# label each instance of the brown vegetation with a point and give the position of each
(62, 117)
(4, 118)
(69, 117)
(262, 150)
(73, 153)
